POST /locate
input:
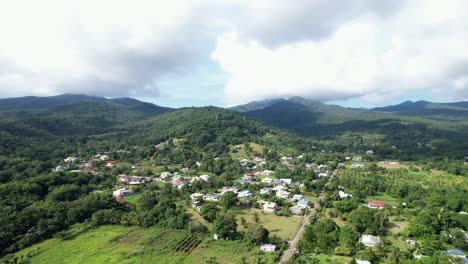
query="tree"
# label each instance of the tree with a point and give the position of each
(228, 200)
(209, 211)
(225, 226)
(256, 234)
(256, 218)
(322, 236)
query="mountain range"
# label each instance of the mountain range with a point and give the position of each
(407, 129)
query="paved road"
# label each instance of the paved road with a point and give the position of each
(305, 221)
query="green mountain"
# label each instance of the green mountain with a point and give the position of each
(35, 102)
(409, 133)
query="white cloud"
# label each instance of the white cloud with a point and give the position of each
(109, 48)
(421, 46)
(325, 49)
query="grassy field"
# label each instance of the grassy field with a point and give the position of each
(281, 226)
(132, 199)
(240, 154)
(119, 244)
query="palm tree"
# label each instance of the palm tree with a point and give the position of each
(395, 255)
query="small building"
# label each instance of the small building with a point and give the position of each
(323, 174)
(456, 253)
(120, 192)
(344, 195)
(59, 169)
(196, 204)
(266, 173)
(369, 240)
(296, 210)
(267, 180)
(283, 194)
(165, 175)
(357, 165)
(196, 196)
(266, 190)
(70, 159)
(244, 162)
(211, 197)
(268, 248)
(244, 194)
(269, 207)
(303, 203)
(297, 197)
(233, 189)
(286, 181)
(360, 261)
(376, 205)
(204, 177)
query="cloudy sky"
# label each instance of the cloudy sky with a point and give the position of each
(228, 52)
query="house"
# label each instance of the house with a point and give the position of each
(196, 196)
(412, 242)
(344, 195)
(297, 197)
(266, 190)
(269, 207)
(456, 253)
(59, 169)
(286, 181)
(262, 163)
(165, 175)
(198, 163)
(267, 180)
(70, 159)
(244, 162)
(205, 177)
(376, 205)
(185, 169)
(369, 240)
(247, 177)
(266, 173)
(323, 174)
(357, 165)
(267, 248)
(237, 147)
(225, 189)
(296, 210)
(159, 146)
(90, 164)
(195, 204)
(104, 157)
(370, 152)
(178, 183)
(109, 165)
(258, 159)
(291, 166)
(244, 194)
(360, 261)
(211, 197)
(303, 203)
(283, 194)
(120, 192)
(279, 188)
(277, 182)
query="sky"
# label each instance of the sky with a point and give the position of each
(359, 53)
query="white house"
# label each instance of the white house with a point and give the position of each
(283, 194)
(279, 188)
(323, 174)
(165, 175)
(297, 197)
(196, 196)
(360, 261)
(205, 177)
(120, 192)
(266, 173)
(211, 197)
(70, 159)
(344, 195)
(59, 169)
(369, 240)
(267, 180)
(244, 162)
(266, 190)
(267, 248)
(244, 194)
(286, 181)
(269, 207)
(104, 157)
(357, 165)
(296, 210)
